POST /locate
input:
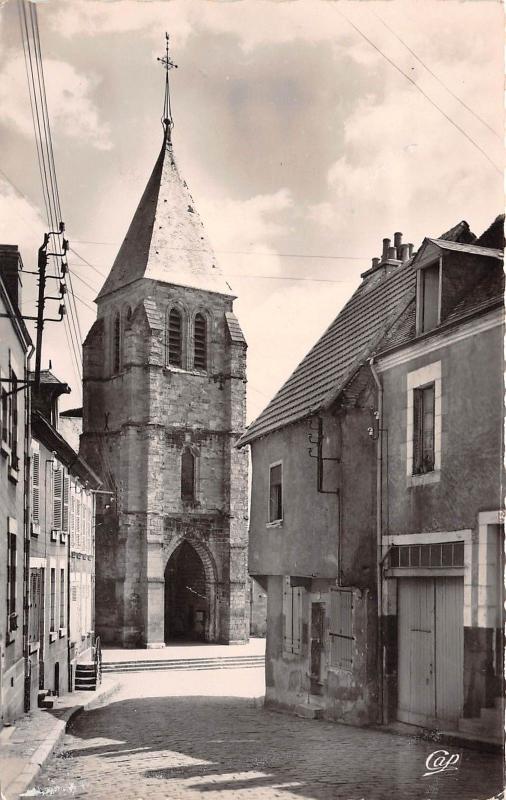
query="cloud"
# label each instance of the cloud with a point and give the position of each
(69, 96)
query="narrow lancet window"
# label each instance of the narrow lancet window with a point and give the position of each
(200, 343)
(188, 476)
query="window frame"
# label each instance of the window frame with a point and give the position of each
(11, 582)
(420, 300)
(419, 429)
(278, 521)
(416, 379)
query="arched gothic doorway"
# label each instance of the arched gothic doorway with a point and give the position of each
(187, 605)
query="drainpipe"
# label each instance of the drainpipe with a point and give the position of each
(379, 533)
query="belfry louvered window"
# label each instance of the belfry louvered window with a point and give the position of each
(175, 339)
(200, 343)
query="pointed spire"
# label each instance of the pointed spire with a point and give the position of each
(168, 64)
(166, 240)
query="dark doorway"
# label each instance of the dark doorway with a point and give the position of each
(186, 600)
(57, 678)
(317, 617)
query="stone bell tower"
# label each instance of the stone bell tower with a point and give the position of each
(164, 404)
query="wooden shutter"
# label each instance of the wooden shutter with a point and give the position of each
(78, 522)
(296, 619)
(57, 498)
(65, 521)
(341, 629)
(287, 615)
(35, 487)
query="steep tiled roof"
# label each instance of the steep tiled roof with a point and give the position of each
(494, 235)
(473, 249)
(166, 239)
(346, 343)
(459, 233)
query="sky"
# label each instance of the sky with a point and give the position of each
(302, 142)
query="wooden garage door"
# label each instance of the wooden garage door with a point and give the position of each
(431, 645)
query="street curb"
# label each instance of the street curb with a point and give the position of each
(453, 739)
(27, 776)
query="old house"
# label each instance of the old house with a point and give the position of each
(313, 511)
(346, 490)
(440, 378)
(164, 404)
(15, 349)
(62, 560)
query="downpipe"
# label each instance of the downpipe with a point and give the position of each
(379, 542)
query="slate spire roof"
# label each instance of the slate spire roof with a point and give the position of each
(166, 239)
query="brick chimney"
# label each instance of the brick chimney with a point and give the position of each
(11, 268)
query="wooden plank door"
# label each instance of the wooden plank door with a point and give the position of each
(449, 624)
(416, 679)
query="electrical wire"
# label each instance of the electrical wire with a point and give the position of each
(45, 155)
(422, 92)
(436, 77)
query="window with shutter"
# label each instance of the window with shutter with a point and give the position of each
(65, 520)
(175, 339)
(423, 429)
(11, 579)
(78, 522)
(35, 488)
(14, 421)
(62, 598)
(52, 597)
(292, 617)
(200, 342)
(341, 629)
(57, 498)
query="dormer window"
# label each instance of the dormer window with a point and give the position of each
(429, 298)
(200, 342)
(175, 338)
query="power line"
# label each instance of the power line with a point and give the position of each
(438, 79)
(415, 84)
(244, 253)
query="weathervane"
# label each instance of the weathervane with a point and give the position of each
(168, 64)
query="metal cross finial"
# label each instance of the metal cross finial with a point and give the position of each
(166, 61)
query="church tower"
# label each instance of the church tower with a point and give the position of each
(164, 404)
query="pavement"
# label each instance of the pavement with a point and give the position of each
(28, 743)
(190, 734)
(188, 650)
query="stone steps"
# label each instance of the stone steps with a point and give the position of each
(218, 662)
(85, 678)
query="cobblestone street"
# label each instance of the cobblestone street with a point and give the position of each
(189, 735)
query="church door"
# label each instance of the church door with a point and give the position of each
(186, 596)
